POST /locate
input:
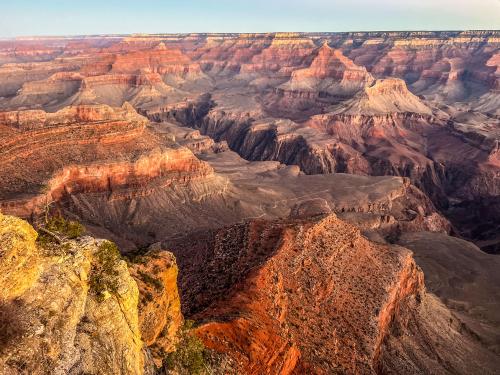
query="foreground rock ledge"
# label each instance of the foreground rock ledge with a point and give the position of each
(53, 322)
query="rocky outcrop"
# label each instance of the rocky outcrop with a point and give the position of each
(62, 324)
(159, 305)
(14, 76)
(37, 93)
(18, 262)
(265, 291)
(223, 55)
(384, 97)
(261, 284)
(33, 119)
(74, 168)
(330, 74)
(164, 61)
(77, 306)
(287, 52)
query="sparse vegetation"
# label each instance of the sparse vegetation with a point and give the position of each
(140, 256)
(148, 279)
(54, 233)
(70, 229)
(135, 259)
(104, 273)
(190, 354)
(57, 228)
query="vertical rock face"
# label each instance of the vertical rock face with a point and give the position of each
(330, 73)
(226, 55)
(286, 53)
(18, 263)
(83, 149)
(63, 326)
(160, 60)
(76, 307)
(159, 304)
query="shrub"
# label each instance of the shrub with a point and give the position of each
(138, 256)
(104, 273)
(58, 228)
(68, 228)
(157, 284)
(189, 355)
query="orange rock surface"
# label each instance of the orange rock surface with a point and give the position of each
(307, 295)
(159, 304)
(313, 297)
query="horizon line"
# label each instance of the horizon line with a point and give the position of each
(118, 35)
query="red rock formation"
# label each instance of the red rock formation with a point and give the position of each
(83, 149)
(384, 97)
(330, 73)
(221, 55)
(286, 53)
(14, 76)
(303, 296)
(159, 60)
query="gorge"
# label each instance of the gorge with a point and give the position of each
(316, 203)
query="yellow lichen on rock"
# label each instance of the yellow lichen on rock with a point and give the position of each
(160, 309)
(18, 253)
(112, 322)
(62, 324)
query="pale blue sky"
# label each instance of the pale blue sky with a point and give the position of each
(72, 17)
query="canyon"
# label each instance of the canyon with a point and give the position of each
(315, 202)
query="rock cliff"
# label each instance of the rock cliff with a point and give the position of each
(311, 295)
(330, 74)
(68, 327)
(66, 143)
(159, 305)
(75, 306)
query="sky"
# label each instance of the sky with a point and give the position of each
(84, 17)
